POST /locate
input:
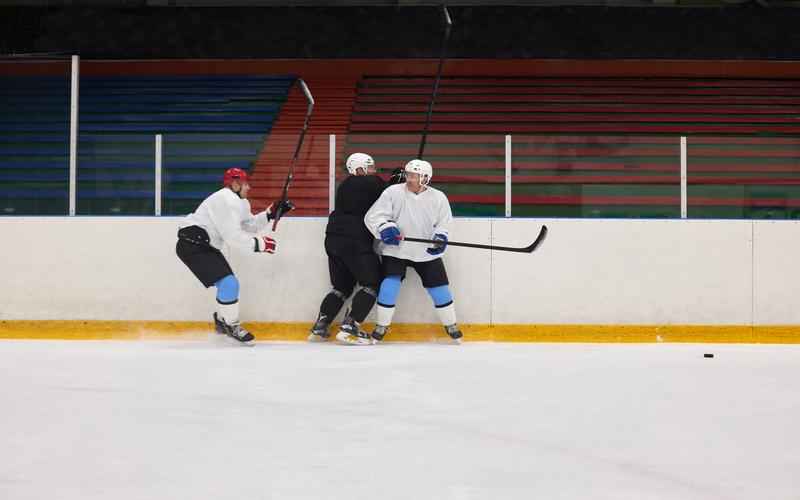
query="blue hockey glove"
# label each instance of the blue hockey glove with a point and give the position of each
(439, 246)
(390, 235)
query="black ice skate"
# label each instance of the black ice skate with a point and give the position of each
(319, 332)
(454, 333)
(350, 333)
(379, 332)
(219, 325)
(236, 332)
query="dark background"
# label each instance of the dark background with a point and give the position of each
(749, 31)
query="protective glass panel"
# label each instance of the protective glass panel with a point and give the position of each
(34, 137)
(208, 123)
(469, 168)
(628, 176)
(748, 177)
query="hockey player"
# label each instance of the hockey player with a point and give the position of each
(351, 257)
(417, 210)
(225, 218)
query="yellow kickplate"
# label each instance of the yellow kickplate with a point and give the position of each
(186, 330)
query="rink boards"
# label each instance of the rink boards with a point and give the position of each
(593, 280)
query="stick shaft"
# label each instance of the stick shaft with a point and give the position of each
(290, 175)
(310, 108)
(467, 245)
(448, 23)
(530, 248)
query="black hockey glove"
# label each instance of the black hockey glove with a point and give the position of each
(398, 176)
(279, 208)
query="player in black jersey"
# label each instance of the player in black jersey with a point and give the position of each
(351, 257)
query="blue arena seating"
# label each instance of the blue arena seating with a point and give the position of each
(208, 123)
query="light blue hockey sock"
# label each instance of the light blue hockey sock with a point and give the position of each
(390, 287)
(227, 289)
(441, 295)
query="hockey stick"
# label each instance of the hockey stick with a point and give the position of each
(528, 249)
(448, 23)
(290, 175)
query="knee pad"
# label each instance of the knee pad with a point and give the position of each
(342, 295)
(390, 287)
(227, 289)
(441, 295)
(369, 291)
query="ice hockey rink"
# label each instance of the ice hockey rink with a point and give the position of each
(200, 419)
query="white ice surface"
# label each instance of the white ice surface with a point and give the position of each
(198, 420)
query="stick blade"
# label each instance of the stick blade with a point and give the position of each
(538, 241)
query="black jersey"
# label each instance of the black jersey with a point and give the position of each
(354, 196)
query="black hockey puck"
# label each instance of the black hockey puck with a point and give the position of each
(708, 355)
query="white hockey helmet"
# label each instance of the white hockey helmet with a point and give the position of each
(359, 160)
(421, 167)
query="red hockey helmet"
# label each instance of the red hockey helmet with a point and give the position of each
(234, 174)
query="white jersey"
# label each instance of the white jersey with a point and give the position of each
(417, 215)
(227, 219)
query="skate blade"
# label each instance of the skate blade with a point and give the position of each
(317, 338)
(228, 340)
(347, 339)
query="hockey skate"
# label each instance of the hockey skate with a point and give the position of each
(379, 332)
(319, 332)
(219, 325)
(236, 332)
(454, 333)
(351, 334)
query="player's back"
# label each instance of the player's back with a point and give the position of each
(354, 196)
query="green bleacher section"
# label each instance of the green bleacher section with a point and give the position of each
(594, 147)
(208, 123)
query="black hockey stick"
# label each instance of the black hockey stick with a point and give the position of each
(290, 175)
(448, 23)
(528, 249)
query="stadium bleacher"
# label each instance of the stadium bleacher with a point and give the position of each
(603, 147)
(208, 123)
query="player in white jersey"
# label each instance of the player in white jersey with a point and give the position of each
(417, 210)
(225, 218)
